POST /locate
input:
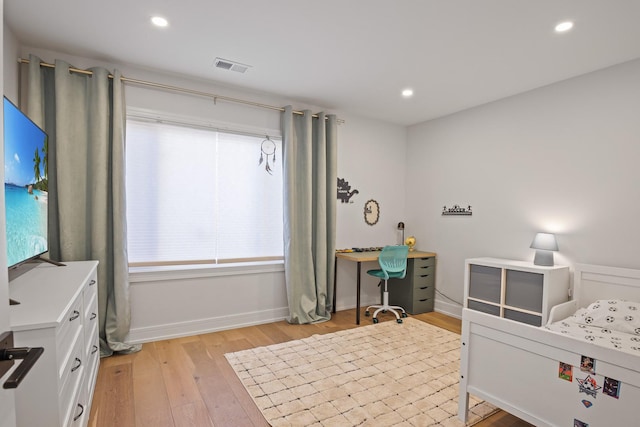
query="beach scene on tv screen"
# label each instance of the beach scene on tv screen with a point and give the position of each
(25, 186)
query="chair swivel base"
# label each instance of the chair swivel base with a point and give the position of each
(386, 307)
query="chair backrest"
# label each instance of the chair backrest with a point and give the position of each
(393, 259)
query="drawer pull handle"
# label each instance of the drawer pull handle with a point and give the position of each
(80, 414)
(424, 275)
(423, 300)
(425, 287)
(92, 282)
(93, 316)
(95, 348)
(79, 363)
(75, 315)
(425, 266)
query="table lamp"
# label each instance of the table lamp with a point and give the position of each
(544, 244)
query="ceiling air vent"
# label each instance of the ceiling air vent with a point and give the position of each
(225, 64)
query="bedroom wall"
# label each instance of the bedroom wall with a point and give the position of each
(371, 157)
(562, 159)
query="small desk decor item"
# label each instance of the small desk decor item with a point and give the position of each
(267, 148)
(344, 191)
(371, 212)
(457, 210)
(411, 242)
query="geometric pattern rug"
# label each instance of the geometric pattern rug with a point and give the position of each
(386, 374)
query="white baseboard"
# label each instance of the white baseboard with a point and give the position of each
(450, 309)
(203, 326)
(222, 323)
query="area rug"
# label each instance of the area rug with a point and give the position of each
(387, 374)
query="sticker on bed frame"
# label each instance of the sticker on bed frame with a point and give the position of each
(611, 387)
(587, 403)
(589, 386)
(565, 371)
(578, 423)
(588, 364)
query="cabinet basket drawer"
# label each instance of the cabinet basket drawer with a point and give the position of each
(527, 318)
(485, 283)
(485, 308)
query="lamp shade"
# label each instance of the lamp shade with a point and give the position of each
(545, 241)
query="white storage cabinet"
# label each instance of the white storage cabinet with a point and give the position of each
(516, 290)
(58, 310)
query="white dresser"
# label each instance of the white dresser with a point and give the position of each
(58, 310)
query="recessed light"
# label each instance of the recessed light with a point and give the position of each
(407, 93)
(159, 21)
(564, 26)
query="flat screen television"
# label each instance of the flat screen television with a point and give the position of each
(25, 186)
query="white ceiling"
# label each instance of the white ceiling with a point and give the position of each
(348, 55)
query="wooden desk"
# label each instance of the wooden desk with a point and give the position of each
(360, 257)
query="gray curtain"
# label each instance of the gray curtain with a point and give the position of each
(84, 117)
(310, 194)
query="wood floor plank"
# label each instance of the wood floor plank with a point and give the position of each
(150, 394)
(177, 373)
(235, 385)
(116, 406)
(192, 415)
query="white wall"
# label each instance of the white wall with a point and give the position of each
(371, 157)
(563, 159)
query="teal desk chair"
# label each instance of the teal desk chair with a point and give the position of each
(393, 265)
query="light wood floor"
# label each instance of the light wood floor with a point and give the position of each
(188, 382)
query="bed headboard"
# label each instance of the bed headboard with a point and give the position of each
(594, 282)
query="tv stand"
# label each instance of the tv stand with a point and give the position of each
(50, 261)
(59, 312)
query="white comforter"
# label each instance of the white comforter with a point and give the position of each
(608, 323)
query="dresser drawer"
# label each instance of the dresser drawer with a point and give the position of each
(90, 319)
(424, 279)
(79, 415)
(422, 305)
(70, 327)
(92, 343)
(71, 379)
(422, 292)
(90, 289)
(422, 267)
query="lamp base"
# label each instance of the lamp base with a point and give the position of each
(544, 258)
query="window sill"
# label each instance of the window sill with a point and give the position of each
(179, 272)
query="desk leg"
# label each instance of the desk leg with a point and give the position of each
(358, 295)
(335, 279)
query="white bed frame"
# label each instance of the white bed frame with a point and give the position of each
(514, 366)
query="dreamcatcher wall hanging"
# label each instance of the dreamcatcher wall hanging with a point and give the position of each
(267, 149)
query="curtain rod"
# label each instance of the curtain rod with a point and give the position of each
(177, 89)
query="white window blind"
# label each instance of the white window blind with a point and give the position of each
(196, 195)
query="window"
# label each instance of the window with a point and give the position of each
(197, 195)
